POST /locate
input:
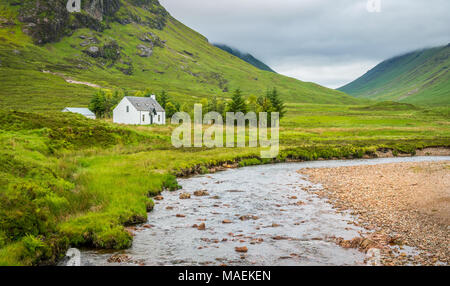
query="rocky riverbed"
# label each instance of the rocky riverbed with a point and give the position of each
(407, 204)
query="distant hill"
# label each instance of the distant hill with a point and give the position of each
(419, 77)
(245, 57)
(51, 59)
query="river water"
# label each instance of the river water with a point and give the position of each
(267, 210)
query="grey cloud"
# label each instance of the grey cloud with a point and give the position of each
(309, 39)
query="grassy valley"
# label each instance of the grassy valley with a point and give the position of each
(67, 181)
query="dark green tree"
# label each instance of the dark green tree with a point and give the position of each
(103, 102)
(97, 104)
(265, 105)
(163, 98)
(277, 103)
(237, 103)
(177, 106)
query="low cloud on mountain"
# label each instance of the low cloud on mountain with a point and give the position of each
(328, 42)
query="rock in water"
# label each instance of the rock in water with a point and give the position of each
(201, 193)
(185, 196)
(158, 198)
(242, 249)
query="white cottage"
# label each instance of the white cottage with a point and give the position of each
(134, 110)
(83, 111)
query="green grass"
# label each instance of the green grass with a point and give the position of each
(69, 181)
(420, 77)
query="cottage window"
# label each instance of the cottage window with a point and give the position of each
(128, 108)
(143, 118)
(159, 118)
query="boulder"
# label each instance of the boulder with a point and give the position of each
(152, 39)
(242, 249)
(119, 258)
(185, 196)
(248, 217)
(144, 51)
(93, 51)
(201, 193)
(85, 43)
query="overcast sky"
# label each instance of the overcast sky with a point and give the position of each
(330, 42)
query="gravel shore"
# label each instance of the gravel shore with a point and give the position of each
(407, 204)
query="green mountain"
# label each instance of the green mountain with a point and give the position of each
(246, 57)
(50, 58)
(420, 77)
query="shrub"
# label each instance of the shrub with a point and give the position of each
(20, 214)
(170, 183)
(32, 243)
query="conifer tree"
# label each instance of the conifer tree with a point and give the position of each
(277, 103)
(163, 99)
(237, 103)
(97, 104)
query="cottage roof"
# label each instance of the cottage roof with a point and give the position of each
(82, 111)
(145, 103)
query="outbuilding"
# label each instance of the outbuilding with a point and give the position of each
(83, 111)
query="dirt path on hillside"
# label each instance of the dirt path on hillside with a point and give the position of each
(72, 81)
(408, 201)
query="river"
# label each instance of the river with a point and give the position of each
(266, 210)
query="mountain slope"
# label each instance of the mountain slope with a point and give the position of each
(420, 77)
(50, 58)
(245, 57)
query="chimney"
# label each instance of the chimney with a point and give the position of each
(153, 96)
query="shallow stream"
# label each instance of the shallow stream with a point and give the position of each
(266, 209)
